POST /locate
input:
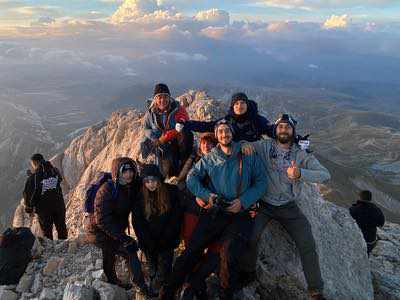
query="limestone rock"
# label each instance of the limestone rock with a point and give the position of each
(110, 292)
(47, 294)
(25, 283)
(78, 291)
(6, 294)
(52, 265)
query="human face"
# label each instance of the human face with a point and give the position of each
(206, 147)
(162, 101)
(224, 135)
(284, 133)
(127, 176)
(240, 107)
(151, 184)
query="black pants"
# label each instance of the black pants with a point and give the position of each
(299, 229)
(371, 246)
(160, 265)
(231, 230)
(48, 218)
(110, 249)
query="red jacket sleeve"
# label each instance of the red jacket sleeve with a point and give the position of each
(181, 115)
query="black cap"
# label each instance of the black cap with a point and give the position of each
(239, 97)
(151, 170)
(365, 196)
(161, 88)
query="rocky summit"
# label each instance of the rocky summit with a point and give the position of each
(72, 269)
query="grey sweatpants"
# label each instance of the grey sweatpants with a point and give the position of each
(299, 229)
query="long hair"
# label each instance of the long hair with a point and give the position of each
(158, 205)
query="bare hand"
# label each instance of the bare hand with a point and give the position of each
(293, 172)
(247, 149)
(200, 202)
(235, 207)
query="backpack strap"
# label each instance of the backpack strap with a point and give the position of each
(239, 186)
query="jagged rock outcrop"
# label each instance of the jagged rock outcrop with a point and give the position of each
(344, 263)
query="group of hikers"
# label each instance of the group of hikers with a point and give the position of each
(216, 197)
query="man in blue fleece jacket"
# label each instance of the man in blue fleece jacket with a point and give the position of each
(240, 180)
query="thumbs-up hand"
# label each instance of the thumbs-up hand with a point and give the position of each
(293, 172)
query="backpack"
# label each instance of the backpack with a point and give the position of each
(15, 254)
(90, 197)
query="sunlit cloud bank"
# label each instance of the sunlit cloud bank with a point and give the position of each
(147, 39)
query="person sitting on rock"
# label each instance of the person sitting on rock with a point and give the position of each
(113, 203)
(161, 137)
(368, 216)
(157, 221)
(235, 183)
(288, 169)
(196, 281)
(43, 196)
(243, 116)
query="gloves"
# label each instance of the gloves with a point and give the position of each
(179, 127)
(29, 209)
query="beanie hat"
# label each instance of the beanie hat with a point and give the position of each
(223, 122)
(151, 170)
(161, 88)
(286, 118)
(239, 97)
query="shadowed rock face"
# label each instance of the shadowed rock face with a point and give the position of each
(344, 263)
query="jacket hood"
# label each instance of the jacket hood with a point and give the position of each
(117, 163)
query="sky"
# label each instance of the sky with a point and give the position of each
(22, 12)
(235, 40)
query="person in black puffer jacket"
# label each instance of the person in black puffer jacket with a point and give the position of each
(113, 203)
(368, 216)
(43, 196)
(157, 221)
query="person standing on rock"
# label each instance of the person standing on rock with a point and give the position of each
(171, 147)
(157, 221)
(236, 182)
(113, 203)
(243, 116)
(368, 217)
(43, 196)
(288, 170)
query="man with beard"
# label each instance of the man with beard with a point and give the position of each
(235, 183)
(288, 168)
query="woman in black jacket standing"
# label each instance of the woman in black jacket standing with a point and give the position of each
(113, 203)
(157, 221)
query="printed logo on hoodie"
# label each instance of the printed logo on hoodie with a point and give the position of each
(49, 184)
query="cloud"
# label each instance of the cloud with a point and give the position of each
(336, 22)
(130, 10)
(215, 17)
(324, 4)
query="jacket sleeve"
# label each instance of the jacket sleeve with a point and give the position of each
(103, 214)
(181, 115)
(200, 126)
(29, 191)
(169, 135)
(379, 218)
(149, 132)
(265, 126)
(258, 183)
(195, 178)
(139, 224)
(312, 170)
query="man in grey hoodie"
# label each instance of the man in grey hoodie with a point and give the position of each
(288, 169)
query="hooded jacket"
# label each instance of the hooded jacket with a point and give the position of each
(158, 232)
(368, 216)
(278, 186)
(112, 212)
(249, 127)
(157, 124)
(223, 174)
(43, 189)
